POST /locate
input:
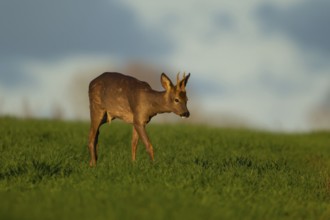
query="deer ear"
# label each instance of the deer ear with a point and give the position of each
(184, 81)
(166, 82)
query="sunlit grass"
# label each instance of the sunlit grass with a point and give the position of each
(199, 173)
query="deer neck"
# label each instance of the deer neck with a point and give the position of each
(157, 102)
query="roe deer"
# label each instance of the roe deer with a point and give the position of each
(114, 95)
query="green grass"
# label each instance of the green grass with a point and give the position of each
(199, 173)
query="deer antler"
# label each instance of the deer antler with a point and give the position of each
(178, 78)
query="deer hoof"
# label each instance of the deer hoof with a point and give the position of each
(92, 163)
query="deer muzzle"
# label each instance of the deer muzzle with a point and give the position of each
(185, 114)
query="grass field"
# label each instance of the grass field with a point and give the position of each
(199, 173)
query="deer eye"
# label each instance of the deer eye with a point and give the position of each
(176, 100)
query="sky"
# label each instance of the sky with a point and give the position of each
(264, 63)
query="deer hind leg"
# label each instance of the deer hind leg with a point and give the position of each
(98, 117)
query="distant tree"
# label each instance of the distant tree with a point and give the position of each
(320, 116)
(145, 72)
(57, 112)
(2, 105)
(27, 111)
(78, 95)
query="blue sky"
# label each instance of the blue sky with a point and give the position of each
(262, 62)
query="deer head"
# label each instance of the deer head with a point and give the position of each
(176, 96)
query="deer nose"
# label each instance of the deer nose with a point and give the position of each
(185, 115)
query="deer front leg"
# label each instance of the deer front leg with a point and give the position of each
(145, 139)
(135, 140)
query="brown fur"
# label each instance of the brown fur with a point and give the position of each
(114, 95)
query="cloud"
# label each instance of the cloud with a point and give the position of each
(306, 22)
(40, 29)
